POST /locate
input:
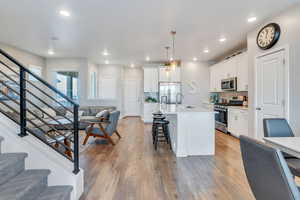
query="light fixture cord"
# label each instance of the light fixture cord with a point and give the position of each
(167, 49)
(173, 38)
(173, 46)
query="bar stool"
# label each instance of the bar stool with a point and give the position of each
(157, 113)
(161, 131)
(156, 118)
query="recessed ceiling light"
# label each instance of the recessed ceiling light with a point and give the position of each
(195, 59)
(105, 53)
(222, 39)
(50, 52)
(251, 19)
(205, 51)
(171, 59)
(147, 58)
(64, 13)
(132, 65)
(106, 62)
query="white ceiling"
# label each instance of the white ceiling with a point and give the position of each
(131, 29)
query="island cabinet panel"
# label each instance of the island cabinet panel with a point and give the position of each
(173, 130)
(197, 134)
(192, 130)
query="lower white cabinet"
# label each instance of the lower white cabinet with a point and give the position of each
(238, 121)
(150, 108)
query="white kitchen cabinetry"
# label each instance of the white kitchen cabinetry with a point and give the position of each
(229, 68)
(216, 76)
(150, 108)
(238, 121)
(174, 75)
(150, 79)
(242, 72)
(236, 66)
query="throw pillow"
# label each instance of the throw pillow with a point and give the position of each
(103, 113)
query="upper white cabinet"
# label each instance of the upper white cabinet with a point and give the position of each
(236, 66)
(242, 72)
(150, 79)
(174, 75)
(230, 67)
(215, 78)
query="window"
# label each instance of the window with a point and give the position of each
(67, 83)
(93, 85)
(36, 70)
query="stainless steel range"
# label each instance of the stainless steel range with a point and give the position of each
(221, 115)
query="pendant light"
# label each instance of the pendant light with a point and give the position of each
(173, 62)
(167, 64)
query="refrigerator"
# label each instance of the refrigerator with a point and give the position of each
(169, 91)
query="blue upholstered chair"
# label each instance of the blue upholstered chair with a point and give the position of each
(105, 128)
(277, 127)
(268, 174)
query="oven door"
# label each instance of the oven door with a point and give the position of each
(221, 119)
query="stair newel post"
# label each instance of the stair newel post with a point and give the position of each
(76, 140)
(22, 103)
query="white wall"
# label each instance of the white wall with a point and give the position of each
(289, 22)
(24, 57)
(195, 82)
(116, 72)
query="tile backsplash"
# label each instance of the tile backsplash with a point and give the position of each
(227, 95)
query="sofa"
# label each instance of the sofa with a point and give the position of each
(86, 114)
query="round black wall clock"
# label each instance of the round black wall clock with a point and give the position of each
(268, 36)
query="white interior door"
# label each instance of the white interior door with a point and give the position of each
(132, 98)
(270, 89)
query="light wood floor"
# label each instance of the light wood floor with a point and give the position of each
(132, 170)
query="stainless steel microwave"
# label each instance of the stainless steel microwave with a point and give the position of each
(229, 84)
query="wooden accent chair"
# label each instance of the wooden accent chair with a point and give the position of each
(105, 129)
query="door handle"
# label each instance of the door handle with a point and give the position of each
(258, 108)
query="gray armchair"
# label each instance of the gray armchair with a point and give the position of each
(105, 129)
(268, 174)
(277, 127)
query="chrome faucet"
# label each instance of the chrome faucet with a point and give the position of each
(181, 97)
(162, 99)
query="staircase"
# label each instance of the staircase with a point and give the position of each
(18, 183)
(26, 100)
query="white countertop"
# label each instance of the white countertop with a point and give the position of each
(239, 107)
(174, 109)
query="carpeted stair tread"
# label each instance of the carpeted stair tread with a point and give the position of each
(11, 164)
(56, 192)
(25, 186)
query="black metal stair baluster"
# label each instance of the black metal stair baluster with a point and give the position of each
(76, 140)
(22, 103)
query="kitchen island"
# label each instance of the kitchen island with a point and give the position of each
(192, 129)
